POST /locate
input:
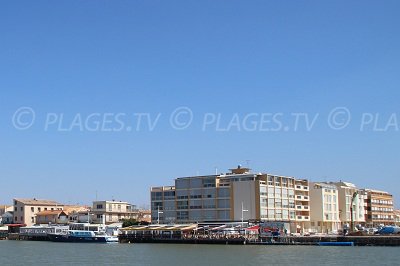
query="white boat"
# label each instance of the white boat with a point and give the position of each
(85, 233)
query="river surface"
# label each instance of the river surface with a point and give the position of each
(49, 253)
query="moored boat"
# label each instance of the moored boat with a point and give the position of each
(84, 233)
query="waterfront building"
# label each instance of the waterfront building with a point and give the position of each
(111, 211)
(7, 217)
(5, 208)
(78, 214)
(144, 216)
(233, 197)
(51, 217)
(5, 213)
(396, 217)
(324, 208)
(379, 205)
(350, 199)
(25, 210)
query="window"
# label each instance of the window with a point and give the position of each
(99, 206)
(39, 209)
(32, 209)
(110, 218)
(22, 209)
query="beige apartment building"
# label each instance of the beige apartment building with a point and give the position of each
(233, 197)
(379, 205)
(111, 211)
(25, 210)
(324, 208)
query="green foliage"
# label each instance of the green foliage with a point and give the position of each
(130, 222)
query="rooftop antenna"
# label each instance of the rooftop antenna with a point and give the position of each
(96, 195)
(216, 170)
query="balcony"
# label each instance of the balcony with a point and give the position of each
(302, 198)
(302, 207)
(302, 218)
(301, 188)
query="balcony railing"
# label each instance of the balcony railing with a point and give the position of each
(302, 218)
(305, 198)
(302, 207)
(303, 188)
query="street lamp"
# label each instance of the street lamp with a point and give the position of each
(158, 214)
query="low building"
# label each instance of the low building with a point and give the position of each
(5, 212)
(5, 208)
(380, 208)
(144, 216)
(7, 218)
(324, 208)
(78, 214)
(51, 217)
(111, 211)
(26, 209)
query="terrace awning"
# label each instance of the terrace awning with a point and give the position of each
(253, 228)
(219, 227)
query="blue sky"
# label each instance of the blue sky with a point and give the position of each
(220, 57)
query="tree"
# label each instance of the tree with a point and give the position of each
(132, 221)
(129, 222)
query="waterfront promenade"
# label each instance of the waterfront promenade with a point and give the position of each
(286, 240)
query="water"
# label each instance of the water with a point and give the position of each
(48, 253)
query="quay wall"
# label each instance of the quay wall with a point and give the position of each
(309, 240)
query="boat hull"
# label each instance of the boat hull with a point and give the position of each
(75, 239)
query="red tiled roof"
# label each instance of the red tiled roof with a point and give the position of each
(50, 212)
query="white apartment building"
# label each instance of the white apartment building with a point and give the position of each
(112, 211)
(350, 197)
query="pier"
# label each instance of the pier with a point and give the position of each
(189, 234)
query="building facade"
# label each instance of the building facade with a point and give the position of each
(25, 210)
(351, 204)
(379, 205)
(111, 211)
(396, 217)
(233, 197)
(324, 208)
(5, 208)
(51, 217)
(7, 217)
